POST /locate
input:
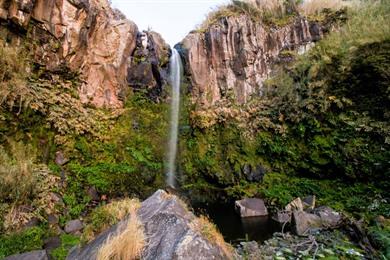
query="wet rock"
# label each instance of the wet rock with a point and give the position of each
(73, 226)
(305, 223)
(33, 255)
(167, 225)
(251, 207)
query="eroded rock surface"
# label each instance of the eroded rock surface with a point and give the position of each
(169, 231)
(86, 36)
(233, 57)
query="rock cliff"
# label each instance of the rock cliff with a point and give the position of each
(233, 57)
(86, 36)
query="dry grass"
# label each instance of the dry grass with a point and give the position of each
(128, 244)
(312, 7)
(108, 215)
(17, 180)
(208, 229)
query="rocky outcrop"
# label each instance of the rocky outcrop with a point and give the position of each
(233, 57)
(169, 229)
(87, 36)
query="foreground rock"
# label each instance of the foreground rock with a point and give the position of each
(33, 255)
(305, 223)
(251, 207)
(169, 231)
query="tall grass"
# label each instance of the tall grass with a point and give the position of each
(208, 230)
(128, 244)
(14, 90)
(311, 7)
(17, 179)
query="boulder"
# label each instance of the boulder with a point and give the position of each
(73, 226)
(251, 207)
(33, 255)
(321, 218)
(329, 217)
(168, 226)
(296, 204)
(305, 223)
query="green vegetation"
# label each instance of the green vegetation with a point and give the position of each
(322, 127)
(67, 242)
(27, 240)
(272, 12)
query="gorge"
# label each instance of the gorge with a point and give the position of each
(284, 101)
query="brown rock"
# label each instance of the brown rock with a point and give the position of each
(87, 36)
(304, 222)
(235, 55)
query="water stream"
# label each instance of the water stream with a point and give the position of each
(175, 74)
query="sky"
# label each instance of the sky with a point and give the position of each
(173, 19)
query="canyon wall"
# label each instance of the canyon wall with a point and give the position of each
(232, 58)
(86, 36)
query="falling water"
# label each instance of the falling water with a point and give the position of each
(175, 68)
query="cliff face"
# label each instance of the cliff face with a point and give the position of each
(233, 57)
(86, 36)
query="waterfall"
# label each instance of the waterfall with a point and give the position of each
(175, 73)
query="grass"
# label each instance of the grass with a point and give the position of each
(208, 230)
(67, 242)
(17, 178)
(269, 11)
(108, 215)
(127, 244)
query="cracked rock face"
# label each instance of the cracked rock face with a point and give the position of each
(233, 57)
(88, 36)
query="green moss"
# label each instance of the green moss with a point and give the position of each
(27, 240)
(67, 242)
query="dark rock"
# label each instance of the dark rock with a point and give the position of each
(309, 202)
(52, 243)
(33, 255)
(52, 219)
(167, 224)
(254, 174)
(92, 192)
(73, 226)
(251, 207)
